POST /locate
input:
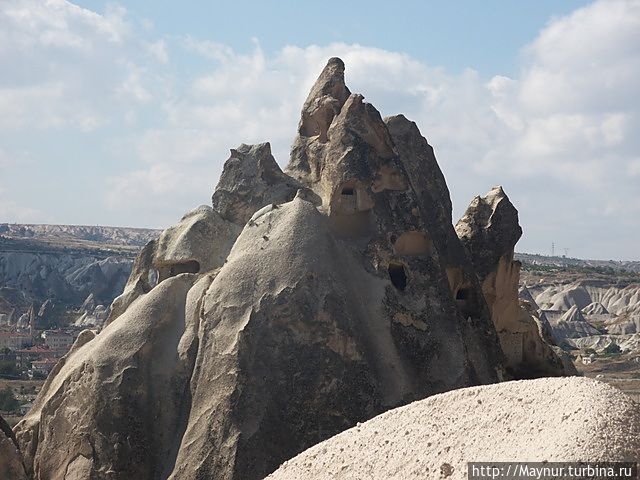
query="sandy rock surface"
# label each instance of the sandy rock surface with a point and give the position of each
(11, 467)
(554, 419)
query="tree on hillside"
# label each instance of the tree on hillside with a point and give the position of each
(8, 401)
(8, 369)
(612, 348)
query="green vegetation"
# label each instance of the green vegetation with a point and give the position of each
(612, 349)
(8, 401)
(9, 370)
(622, 275)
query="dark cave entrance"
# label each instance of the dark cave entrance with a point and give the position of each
(398, 276)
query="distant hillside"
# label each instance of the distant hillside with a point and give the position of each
(64, 264)
(631, 266)
(79, 236)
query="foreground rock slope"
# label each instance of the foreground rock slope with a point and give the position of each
(557, 420)
(303, 302)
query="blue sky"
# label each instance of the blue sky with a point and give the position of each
(122, 113)
(483, 35)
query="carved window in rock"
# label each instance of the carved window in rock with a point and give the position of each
(348, 200)
(351, 211)
(177, 268)
(398, 275)
(467, 301)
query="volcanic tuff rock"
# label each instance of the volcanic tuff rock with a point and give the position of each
(74, 235)
(10, 458)
(302, 303)
(251, 179)
(199, 243)
(489, 230)
(66, 277)
(591, 313)
(512, 420)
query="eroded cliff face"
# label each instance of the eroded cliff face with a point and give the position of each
(10, 458)
(489, 230)
(303, 302)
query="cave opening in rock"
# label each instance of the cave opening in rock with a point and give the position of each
(173, 269)
(467, 301)
(462, 294)
(398, 276)
(349, 191)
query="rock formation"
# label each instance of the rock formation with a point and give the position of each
(69, 277)
(11, 466)
(595, 308)
(303, 302)
(489, 230)
(572, 324)
(555, 420)
(591, 313)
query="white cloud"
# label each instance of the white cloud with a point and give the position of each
(159, 51)
(64, 66)
(559, 135)
(14, 213)
(132, 87)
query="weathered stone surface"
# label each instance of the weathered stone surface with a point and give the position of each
(251, 179)
(114, 405)
(489, 230)
(547, 419)
(336, 313)
(302, 303)
(199, 243)
(323, 104)
(67, 277)
(11, 467)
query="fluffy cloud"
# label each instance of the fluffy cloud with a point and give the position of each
(559, 135)
(64, 66)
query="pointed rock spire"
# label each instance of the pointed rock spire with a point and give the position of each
(489, 229)
(323, 104)
(251, 179)
(326, 98)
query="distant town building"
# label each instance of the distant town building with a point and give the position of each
(44, 366)
(25, 356)
(58, 339)
(14, 340)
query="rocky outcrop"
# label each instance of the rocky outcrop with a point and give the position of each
(200, 242)
(11, 465)
(613, 299)
(595, 308)
(591, 313)
(304, 302)
(512, 420)
(91, 315)
(75, 235)
(489, 230)
(572, 324)
(327, 321)
(251, 179)
(67, 278)
(114, 405)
